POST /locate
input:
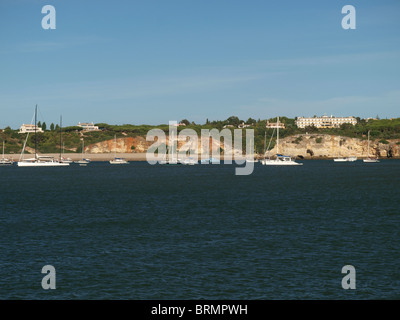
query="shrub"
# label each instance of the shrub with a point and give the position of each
(298, 140)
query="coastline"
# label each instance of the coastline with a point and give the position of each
(97, 156)
(140, 156)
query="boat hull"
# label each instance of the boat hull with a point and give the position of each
(370, 160)
(6, 163)
(42, 164)
(280, 163)
(351, 159)
(118, 162)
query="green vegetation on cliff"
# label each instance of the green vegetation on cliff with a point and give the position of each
(49, 141)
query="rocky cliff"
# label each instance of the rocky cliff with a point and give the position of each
(307, 146)
(120, 145)
(140, 145)
(312, 146)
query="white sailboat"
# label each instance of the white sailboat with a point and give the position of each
(188, 161)
(344, 159)
(252, 153)
(83, 161)
(38, 161)
(351, 158)
(280, 160)
(116, 159)
(63, 159)
(370, 159)
(340, 158)
(4, 161)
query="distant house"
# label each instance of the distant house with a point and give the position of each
(243, 125)
(279, 125)
(88, 126)
(178, 124)
(229, 126)
(29, 128)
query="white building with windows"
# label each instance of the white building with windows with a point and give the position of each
(29, 128)
(324, 121)
(88, 126)
(279, 124)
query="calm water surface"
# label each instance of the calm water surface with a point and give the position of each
(200, 232)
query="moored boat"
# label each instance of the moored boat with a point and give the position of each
(39, 161)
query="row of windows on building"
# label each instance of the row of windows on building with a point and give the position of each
(324, 121)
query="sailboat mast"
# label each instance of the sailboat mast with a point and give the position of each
(368, 143)
(277, 136)
(35, 132)
(60, 138)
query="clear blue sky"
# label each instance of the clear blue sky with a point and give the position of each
(151, 61)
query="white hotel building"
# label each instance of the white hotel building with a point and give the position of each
(324, 121)
(29, 128)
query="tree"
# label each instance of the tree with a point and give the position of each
(346, 126)
(233, 120)
(52, 127)
(311, 128)
(44, 126)
(251, 121)
(39, 124)
(8, 130)
(185, 121)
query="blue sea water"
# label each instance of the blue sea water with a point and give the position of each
(201, 232)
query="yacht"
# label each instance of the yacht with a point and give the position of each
(116, 159)
(189, 161)
(210, 161)
(344, 159)
(83, 161)
(4, 161)
(370, 159)
(280, 160)
(41, 161)
(38, 161)
(341, 159)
